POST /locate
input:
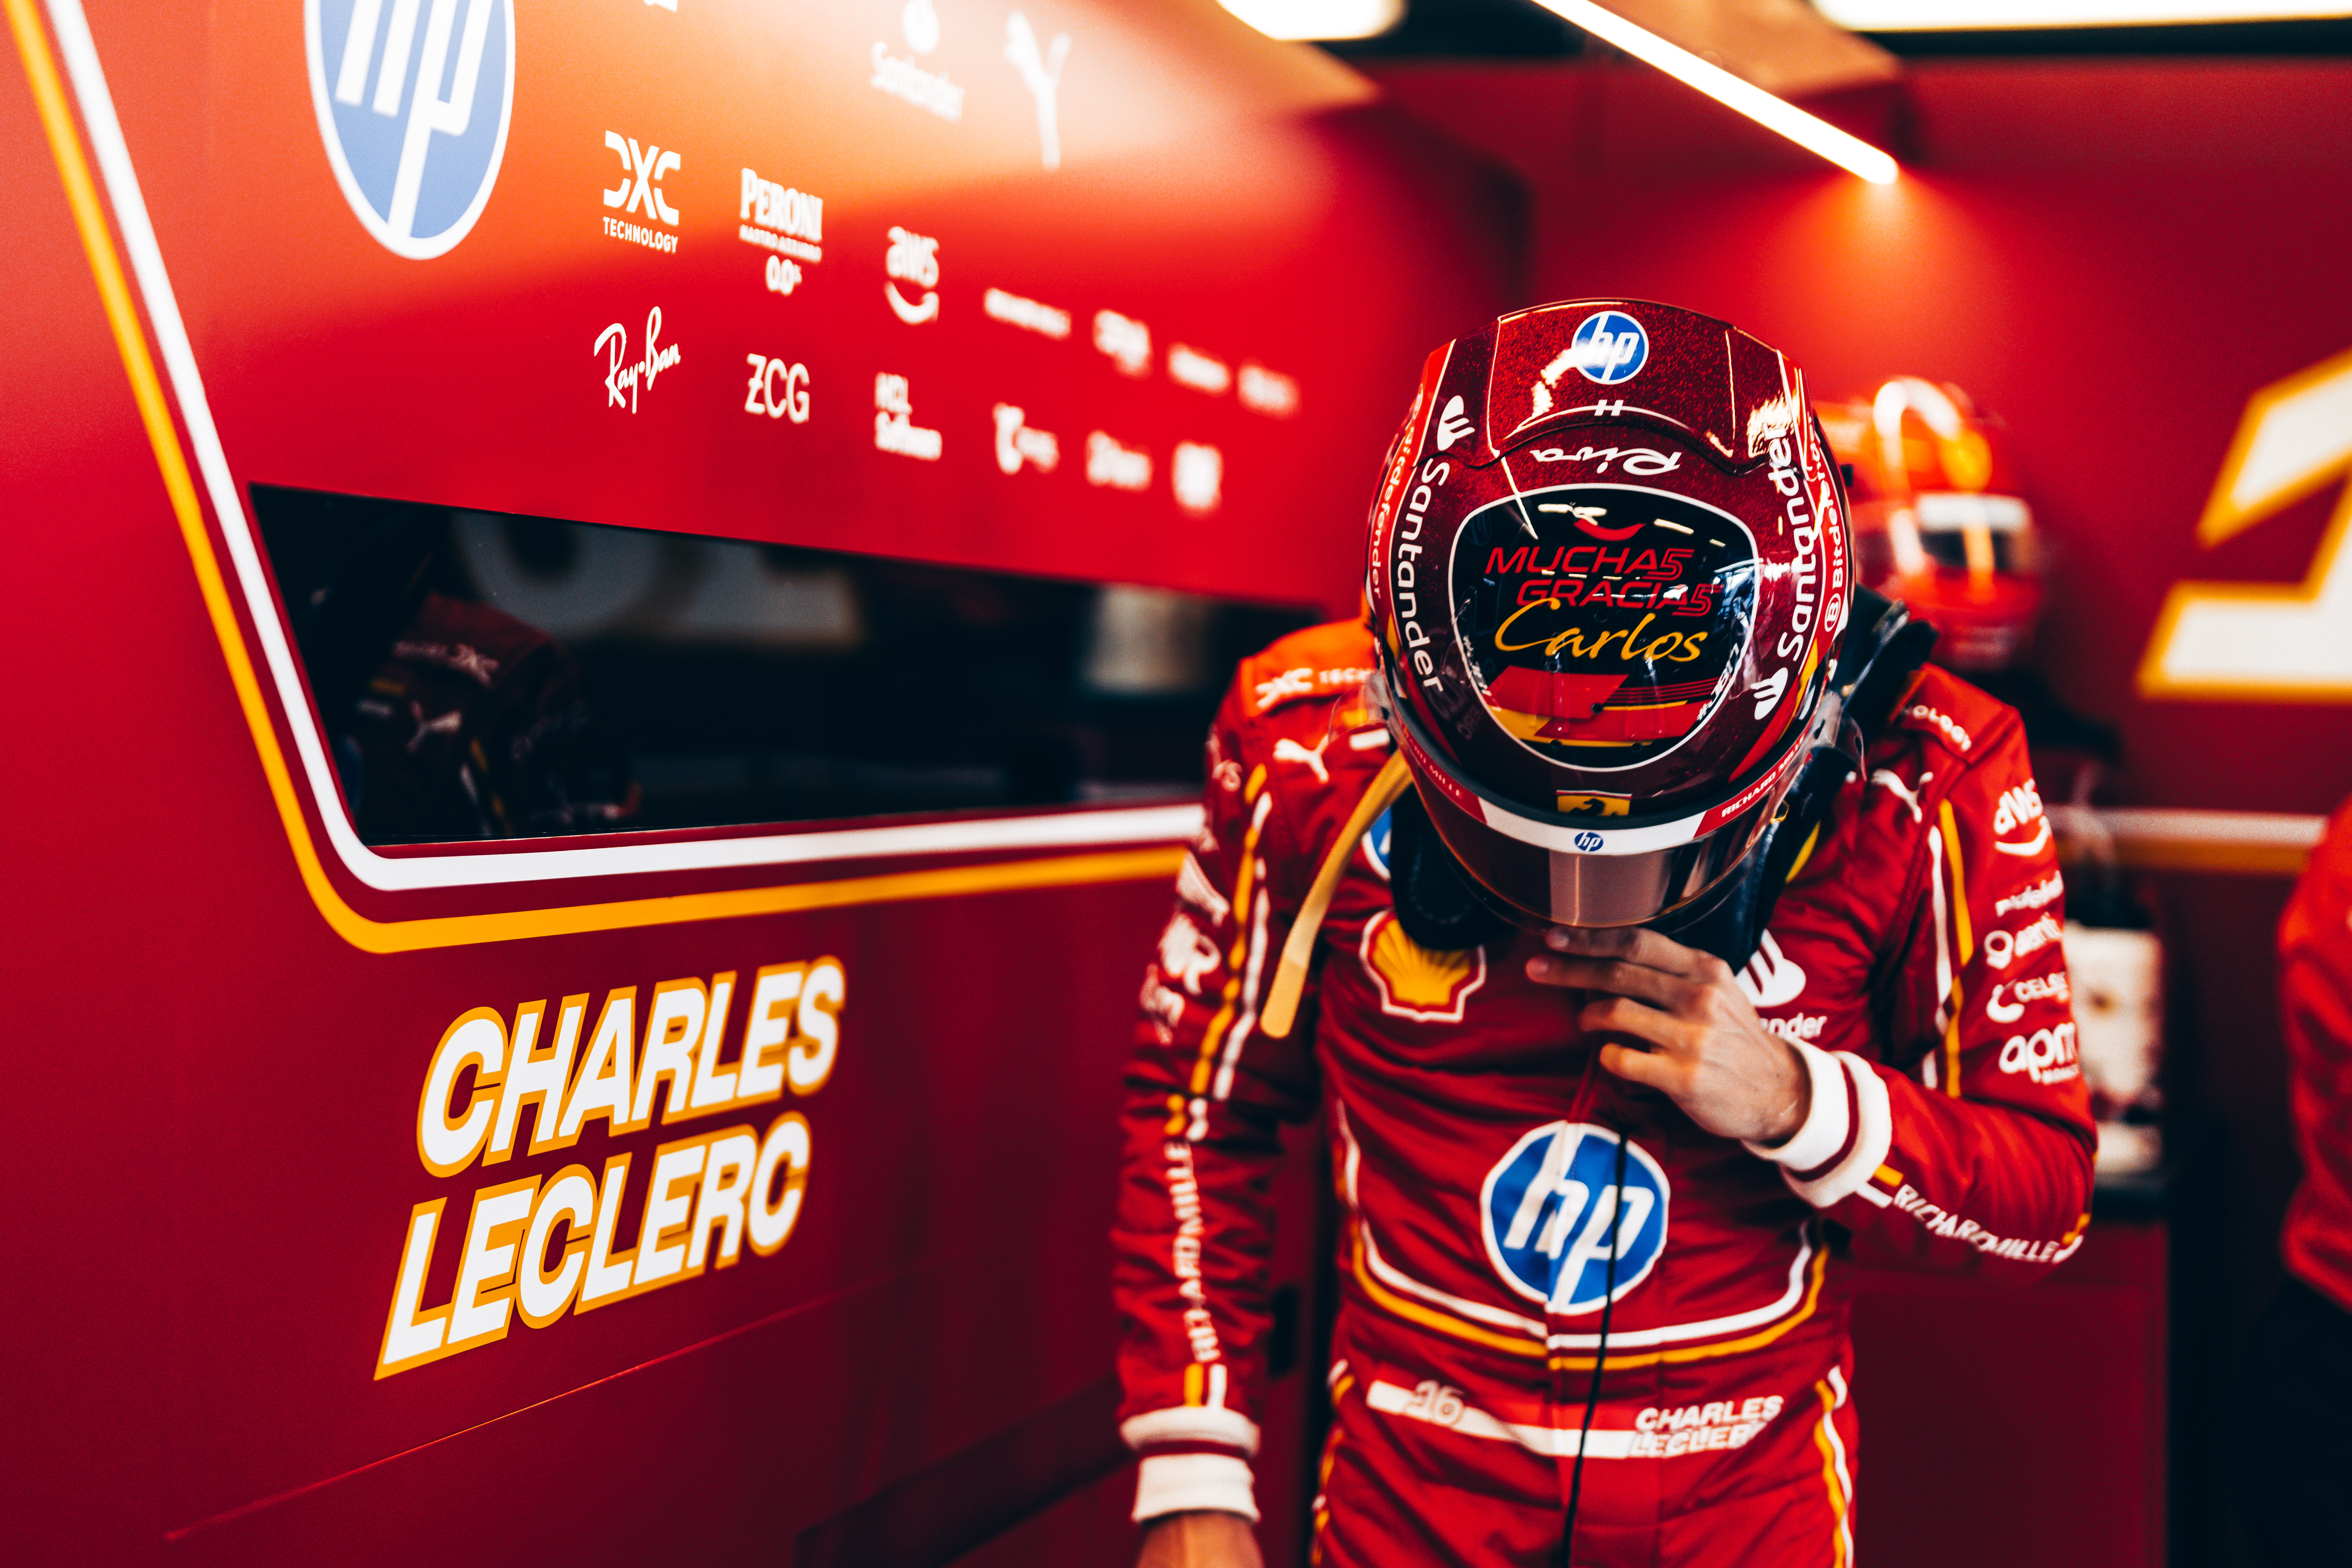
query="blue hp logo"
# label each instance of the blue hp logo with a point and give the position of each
(1551, 1215)
(1610, 346)
(414, 99)
(1588, 841)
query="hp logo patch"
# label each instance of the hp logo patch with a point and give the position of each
(1550, 1214)
(414, 100)
(1588, 841)
(1610, 346)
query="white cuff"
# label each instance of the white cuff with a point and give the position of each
(1827, 1123)
(1873, 1134)
(1184, 1483)
(1190, 1423)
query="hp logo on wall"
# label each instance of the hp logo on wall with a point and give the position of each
(1550, 1217)
(414, 100)
(1610, 346)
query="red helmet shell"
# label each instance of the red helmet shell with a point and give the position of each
(1609, 563)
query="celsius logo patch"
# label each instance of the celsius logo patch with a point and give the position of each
(1610, 346)
(414, 101)
(1550, 1214)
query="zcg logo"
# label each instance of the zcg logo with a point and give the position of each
(416, 151)
(1550, 1217)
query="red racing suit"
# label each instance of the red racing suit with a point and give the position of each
(1914, 962)
(2316, 1007)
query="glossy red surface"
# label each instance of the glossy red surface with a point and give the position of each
(922, 1364)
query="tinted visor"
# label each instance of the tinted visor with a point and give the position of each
(1545, 887)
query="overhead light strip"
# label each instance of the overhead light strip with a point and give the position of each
(1970, 16)
(1815, 134)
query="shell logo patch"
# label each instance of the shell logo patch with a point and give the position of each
(1414, 982)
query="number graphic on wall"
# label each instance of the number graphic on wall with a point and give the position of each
(2255, 642)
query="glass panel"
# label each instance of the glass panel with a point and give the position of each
(482, 675)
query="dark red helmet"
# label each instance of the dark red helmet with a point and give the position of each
(1609, 569)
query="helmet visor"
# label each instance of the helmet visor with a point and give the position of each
(1558, 871)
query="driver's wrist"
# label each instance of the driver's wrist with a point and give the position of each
(1798, 1079)
(1820, 1120)
(1171, 1484)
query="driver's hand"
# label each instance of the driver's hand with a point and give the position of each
(1202, 1540)
(1682, 1026)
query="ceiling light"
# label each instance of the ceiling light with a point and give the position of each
(1965, 16)
(1320, 18)
(1815, 135)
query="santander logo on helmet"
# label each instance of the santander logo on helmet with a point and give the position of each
(1605, 680)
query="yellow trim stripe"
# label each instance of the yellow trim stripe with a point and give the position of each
(1804, 855)
(450, 931)
(1952, 1044)
(1830, 1476)
(1519, 1345)
(1960, 883)
(1959, 910)
(1231, 998)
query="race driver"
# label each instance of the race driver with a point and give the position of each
(1652, 930)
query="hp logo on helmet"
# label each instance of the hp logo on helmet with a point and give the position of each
(414, 100)
(1551, 1215)
(1610, 346)
(1588, 841)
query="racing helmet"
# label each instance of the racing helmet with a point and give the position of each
(1938, 522)
(1608, 570)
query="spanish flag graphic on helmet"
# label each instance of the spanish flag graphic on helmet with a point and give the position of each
(1608, 569)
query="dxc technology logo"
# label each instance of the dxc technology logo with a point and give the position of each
(1550, 1217)
(414, 100)
(1610, 346)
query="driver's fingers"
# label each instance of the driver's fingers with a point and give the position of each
(1639, 944)
(1655, 1069)
(1621, 1018)
(1618, 976)
(1634, 944)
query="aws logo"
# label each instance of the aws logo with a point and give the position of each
(1552, 1218)
(1414, 982)
(414, 101)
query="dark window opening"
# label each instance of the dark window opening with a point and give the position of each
(482, 675)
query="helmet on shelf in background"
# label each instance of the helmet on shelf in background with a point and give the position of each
(1937, 522)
